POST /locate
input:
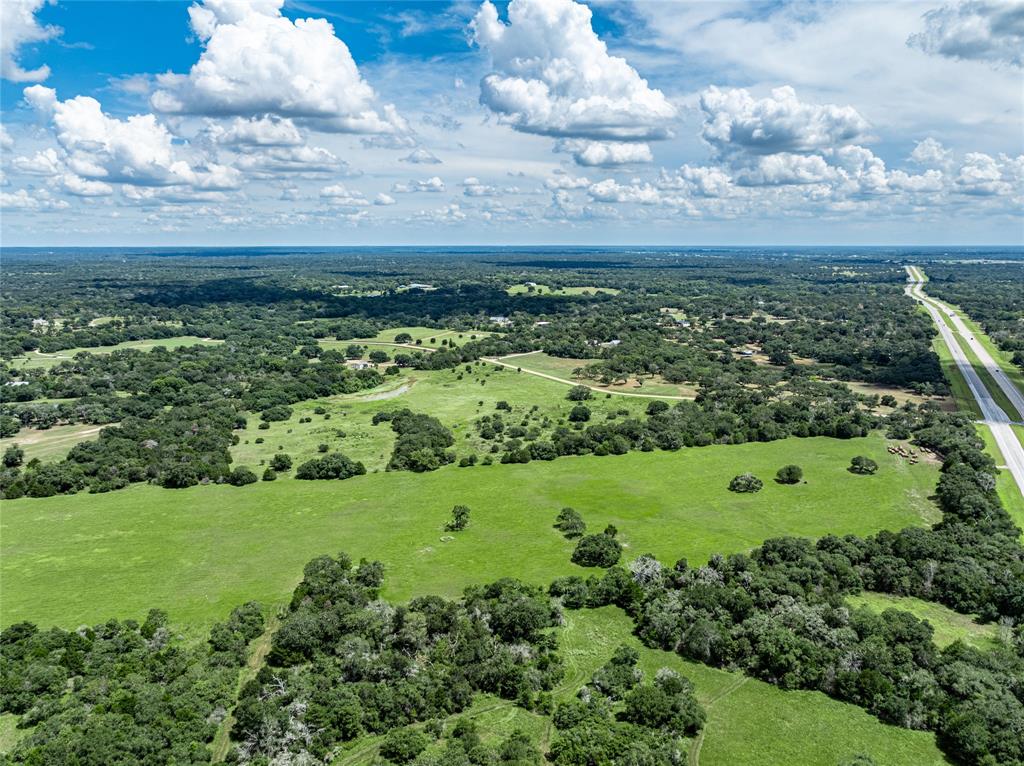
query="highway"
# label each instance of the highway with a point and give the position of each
(993, 415)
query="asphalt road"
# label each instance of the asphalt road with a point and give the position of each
(992, 414)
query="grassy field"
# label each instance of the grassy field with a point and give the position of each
(34, 360)
(749, 722)
(198, 552)
(455, 397)
(949, 626)
(523, 289)
(51, 443)
(564, 367)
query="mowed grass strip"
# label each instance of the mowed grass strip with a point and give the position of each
(53, 443)
(1006, 487)
(35, 360)
(965, 401)
(949, 626)
(199, 552)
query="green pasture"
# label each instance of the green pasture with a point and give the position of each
(35, 359)
(949, 626)
(198, 552)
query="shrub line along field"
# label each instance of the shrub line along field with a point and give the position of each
(198, 552)
(39, 359)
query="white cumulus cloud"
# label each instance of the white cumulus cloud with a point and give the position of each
(554, 77)
(981, 30)
(137, 151)
(18, 27)
(432, 184)
(604, 153)
(262, 131)
(255, 61)
(421, 156)
(736, 121)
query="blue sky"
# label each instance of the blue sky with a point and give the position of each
(532, 121)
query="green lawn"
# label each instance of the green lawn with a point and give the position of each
(34, 360)
(51, 443)
(198, 552)
(749, 722)
(949, 626)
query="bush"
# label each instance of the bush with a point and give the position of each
(13, 456)
(332, 466)
(745, 482)
(270, 475)
(579, 394)
(460, 519)
(275, 413)
(863, 465)
(657, 407)
(281, 462)
(403, 745)
(241, 476)
(597, 551)
(570, 523)
(579, 414)
(789, 474)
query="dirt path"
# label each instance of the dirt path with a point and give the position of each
(501, 363)
(386, 394)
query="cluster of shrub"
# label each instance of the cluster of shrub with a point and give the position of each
(723, 413)
(120, 692)
(620, 718)
(257, 375)
(344, 662)
(779, 613)
(178, 447)
(422, 442)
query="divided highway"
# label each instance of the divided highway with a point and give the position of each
(993, 415)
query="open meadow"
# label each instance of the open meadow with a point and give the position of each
(198, 552)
